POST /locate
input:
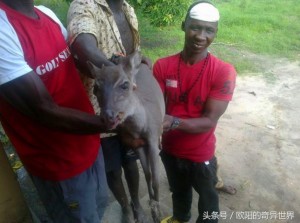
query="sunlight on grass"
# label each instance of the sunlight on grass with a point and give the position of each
(265, 27)
(60, 7)
(159, 42)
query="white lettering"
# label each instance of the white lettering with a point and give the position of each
(40, 70)
(251, 215)
(49, 66)
(62, 56)
(53, 63)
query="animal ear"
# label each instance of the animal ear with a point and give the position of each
(131, 63)
(92, 68)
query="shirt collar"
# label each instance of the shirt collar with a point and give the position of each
(102, 2)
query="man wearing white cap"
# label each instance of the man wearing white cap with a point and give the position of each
(197, 88)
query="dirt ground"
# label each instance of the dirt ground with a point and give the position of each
(259, 145)
(258, 149)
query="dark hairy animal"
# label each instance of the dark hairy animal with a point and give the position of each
(132, 102)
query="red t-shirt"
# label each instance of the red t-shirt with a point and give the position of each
(47, 153)
(217, 81)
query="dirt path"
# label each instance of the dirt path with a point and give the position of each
(259, 145)
(258, 149)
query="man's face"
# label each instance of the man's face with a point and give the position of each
(199, 34)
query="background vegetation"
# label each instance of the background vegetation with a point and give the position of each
(162, 12)
(246, 27)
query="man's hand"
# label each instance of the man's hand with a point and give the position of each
(168, 120)
(116, 57)
(137, 143)
(131, 142)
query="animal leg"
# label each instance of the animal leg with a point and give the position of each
(154, 165)
(146, 168)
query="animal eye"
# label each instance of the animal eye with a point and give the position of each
(125, 85)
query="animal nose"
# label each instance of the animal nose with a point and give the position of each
(110, 115)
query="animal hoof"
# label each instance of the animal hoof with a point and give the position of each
(138, 213)
(127, 215)
(155, 211)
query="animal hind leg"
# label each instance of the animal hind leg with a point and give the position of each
(146, 169)
(153, 151)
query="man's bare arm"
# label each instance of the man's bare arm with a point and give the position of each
(29, 95)
(213, 110)
(84, 48)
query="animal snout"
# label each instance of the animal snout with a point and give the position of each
(112, 118)
(110, 115)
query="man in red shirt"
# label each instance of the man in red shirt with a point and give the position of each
(47, 115)
(197, 88)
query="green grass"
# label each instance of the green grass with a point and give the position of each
(60, 7)
(158, 42)
(265, 27)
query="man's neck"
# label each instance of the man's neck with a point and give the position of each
(192, 58)
(25, 7)
(115, 5)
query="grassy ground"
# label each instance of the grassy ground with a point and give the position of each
(265, 27)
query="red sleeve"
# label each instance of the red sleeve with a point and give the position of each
(224, 83)
(158, 74)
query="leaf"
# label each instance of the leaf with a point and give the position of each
(17, 165)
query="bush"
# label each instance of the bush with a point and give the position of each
(162, 12)
(59, 7)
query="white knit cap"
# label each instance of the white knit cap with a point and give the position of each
(205, 12)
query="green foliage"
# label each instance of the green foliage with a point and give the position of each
(269, 27)
(59, 7)
(135, 2)
(163, 12)
(158, 42)
(265, 27)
